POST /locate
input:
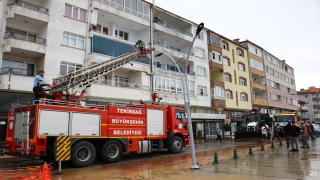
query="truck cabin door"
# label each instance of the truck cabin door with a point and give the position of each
(181, 122)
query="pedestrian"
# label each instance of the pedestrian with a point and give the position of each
(294, 133)
(264, 133)
(287, 131)
(219, 132)
(276, 133)
(312, 133)
(304, 135)
(36, 80)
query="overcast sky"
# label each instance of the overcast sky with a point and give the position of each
(288, 29)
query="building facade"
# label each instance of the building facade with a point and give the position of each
(273, 81)
(63, 36)
(312, 98)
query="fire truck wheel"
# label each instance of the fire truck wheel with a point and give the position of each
(176, 145)
(83, 154)
(112, 151)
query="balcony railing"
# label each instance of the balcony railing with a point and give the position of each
(259, 82)
(174, 28)
(125, 9)
(124, 85)
(172, 68)
(304, 108)
(261, 97)
(304, 116)
(25, 37)
(165, 45)
(18, 71)
(28, 5)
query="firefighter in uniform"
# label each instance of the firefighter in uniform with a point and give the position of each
(140, 45)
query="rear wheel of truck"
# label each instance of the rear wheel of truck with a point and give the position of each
(176, 145)
(112, 151)
(83, 154)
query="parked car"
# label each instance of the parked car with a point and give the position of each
(316, 127)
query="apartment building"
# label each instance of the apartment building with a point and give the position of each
(66, 35)
(312, 98)
(273, 82)
(303, 110)
(230, 78)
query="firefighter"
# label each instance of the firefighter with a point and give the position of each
(36, 80)
(140, 45)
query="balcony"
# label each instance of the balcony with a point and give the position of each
(258, 85)
(316, 104)
(172, 68)
(22, 79)
(26, 9)
(140, 14)
(305, 109)
(304, 117)
(14, 40)
(262, 101)
(316, 97)
(215, 66)
(181, 52)
(257, 72)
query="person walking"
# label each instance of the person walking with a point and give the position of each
(219, 133)
(276, 133)
(304, 135)
(264, 134)
(287, 131)
(312, 133)
(294, 133)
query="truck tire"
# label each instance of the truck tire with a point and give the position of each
(112, 151)
(176, 145)
(83, 154)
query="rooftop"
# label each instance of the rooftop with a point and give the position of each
(312, 89)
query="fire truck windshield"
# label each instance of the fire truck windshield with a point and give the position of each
(284, 118)
(180, 115)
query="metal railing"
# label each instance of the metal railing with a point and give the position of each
(25, 37)
(259, 82)
(172, 68)
(17, 71)
(173, 27)
(165, 45)
(124, 85)
(28, 5)
(125, 9)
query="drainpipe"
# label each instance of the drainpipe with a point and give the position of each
(87, 35)
(151, 41)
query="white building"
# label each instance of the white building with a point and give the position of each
(58, 37)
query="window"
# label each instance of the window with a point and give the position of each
(214, 40)
(272, 84)
(276, 74)
(240, 52)
(254, 50)
(243, 97)
(75, 12)
(270, 96)
(200, 35)
(199, 53)
(267, 69)
(256, 64)
(241, 67)
(226, 61)
(121, 81)
(228, 94)
(121, 35)
(242, 81)
(201, 71)
(17, 67)
(202, 90)
(274, 97)
(215, 57)
(66, 68)
(218, 92)
(225, 45)
(227, 77)
(271, 71)
(72, 40)
(172, 85)
(274, 61)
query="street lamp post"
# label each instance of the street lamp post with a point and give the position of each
(186, 95)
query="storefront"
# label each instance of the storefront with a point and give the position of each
(238, 121)
(204, 125)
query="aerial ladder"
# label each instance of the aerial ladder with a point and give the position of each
(85, 77)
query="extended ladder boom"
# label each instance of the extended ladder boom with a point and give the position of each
(89, 75)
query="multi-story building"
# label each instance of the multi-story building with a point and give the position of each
(303, 110)
(273, 82)
(312, 98)
(63, 36)
(229, 77)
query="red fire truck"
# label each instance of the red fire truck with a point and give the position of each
(58, 127)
